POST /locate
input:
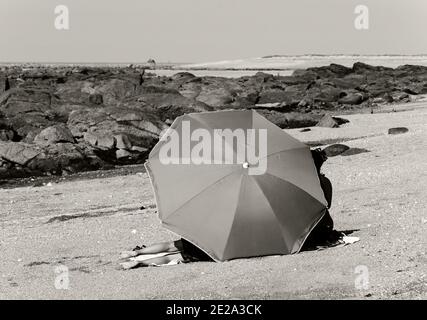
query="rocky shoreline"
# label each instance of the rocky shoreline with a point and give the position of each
(67, 119)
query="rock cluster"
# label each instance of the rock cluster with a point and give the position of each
(63, 119)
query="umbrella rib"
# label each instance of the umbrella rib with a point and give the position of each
(201, 191)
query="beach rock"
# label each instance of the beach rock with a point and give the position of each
(302, 76)
(96, 98)
(26, 109)
(54, 134)
(24, 100)
(304, 103)
(410, 70)
(398, 130)
(305, 130)
(90, 138)
(333, 70)
(290, 120)
(6, 135)
(60, 157)
(183, 76)
(110, 109)
(340, 120)
(353, 151)
(190, 89)
(323, 92)
(139, 149)
(352, 98)
(121, 153)
(360, 67)
(18, 152)
(245, 99)
(335, 149)
(277, 95)
(214, 92)
(277, 106)
(106, 142)
(123, 142)
(349, 82)
(400, 96)
(105, 122)
(386, 98)
(159, 88)
(328, 122)
(100, 140)
(4, 83)
(215, 97)
(18, 101)
(74, 92)
(263, 77)
(115, 90)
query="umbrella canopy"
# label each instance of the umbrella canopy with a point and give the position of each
(235, 185)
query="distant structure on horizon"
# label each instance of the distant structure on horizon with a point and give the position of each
(151, 63)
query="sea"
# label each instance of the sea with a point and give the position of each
(274, 64)
(286, 65)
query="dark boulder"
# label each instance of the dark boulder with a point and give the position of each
(399, 96)
(96, 98)
(290, 120)
(54, 134)
(64, 157)
(352, 98)
(331, 122)
(410, 70)
(4, 83)
(123, 142)
(350, 81)
(353, 151)
(183, 76)
(277, 95)
(335, 149)
(7, 135)
(27, 110)
(398, 130)
(18, 152)
(333, 70)
(360, 67)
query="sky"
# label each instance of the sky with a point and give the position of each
(206, 30)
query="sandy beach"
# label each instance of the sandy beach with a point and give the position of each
(85, 224)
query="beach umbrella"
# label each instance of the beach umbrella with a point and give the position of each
(235, 185)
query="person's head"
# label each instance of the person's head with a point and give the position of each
(319, 157)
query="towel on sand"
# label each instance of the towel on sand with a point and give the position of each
(144, 257)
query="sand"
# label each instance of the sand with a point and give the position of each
(84, 225)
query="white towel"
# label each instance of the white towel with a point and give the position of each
(143, 257)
